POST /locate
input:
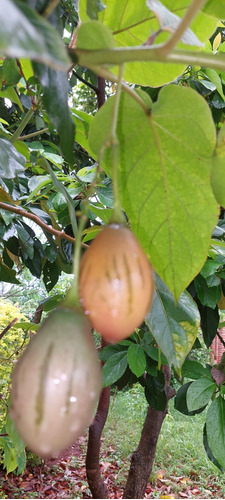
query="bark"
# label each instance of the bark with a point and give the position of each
(38, 314)
(96, 484)
(143, 458)
(100, 91)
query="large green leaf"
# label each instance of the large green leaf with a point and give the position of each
(24, 33)
(10, 459)
(154, 391)
(6, 274)
(26, 240)
(55, 98)
(168, 154)
(11, 161)
(13, 434)
(199, 393)
(218, 169)
(10, 93)
(114, 368)
(208, 295)
(208, 451)
(209, 322)
(180, 402)
(50, 275)
(110, 350)
(174, 326)
(194, 370)
(215, 429)
(132, 23)
(136, 359)
(214, 78)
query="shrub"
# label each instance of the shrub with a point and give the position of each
(11, 344)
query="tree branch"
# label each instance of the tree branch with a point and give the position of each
(92, 87)
(22, 125)
(49, 9)
(33, 134)
(183, 25)
(94, 59)
(8, 327)
(221, 339)
(35, 218)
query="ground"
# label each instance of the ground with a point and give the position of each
(65, 477)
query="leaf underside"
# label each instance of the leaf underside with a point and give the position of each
(168, 155)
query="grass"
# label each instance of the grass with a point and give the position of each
(181, 465)
(180, 451)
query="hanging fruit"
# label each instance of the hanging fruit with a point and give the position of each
(56, 383)
(116, 283)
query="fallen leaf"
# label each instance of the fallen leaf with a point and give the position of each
(167, 496)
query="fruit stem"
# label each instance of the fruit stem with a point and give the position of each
(72, 296)
(117, 212)
(159, 359)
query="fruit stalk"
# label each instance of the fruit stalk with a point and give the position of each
(116, 217)
(72, 297)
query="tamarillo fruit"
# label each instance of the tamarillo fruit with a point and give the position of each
(116, 283)
(56, 383)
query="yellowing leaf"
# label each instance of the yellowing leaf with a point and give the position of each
(167, 496)
(6, 198)
(217, 42)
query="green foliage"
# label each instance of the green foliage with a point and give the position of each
(35, 37)
(199, 393)
(178, 326)
(170, 175)
(12, 162)
(11, 345)
(215, 429)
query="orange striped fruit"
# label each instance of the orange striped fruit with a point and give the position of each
(116, 283)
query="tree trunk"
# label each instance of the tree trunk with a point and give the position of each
(96, 484)
(38, 314)
(143, 458)
(100, 91)
(94, 478)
